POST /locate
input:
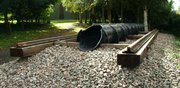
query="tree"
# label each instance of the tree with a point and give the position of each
(26, 11)
(151, 7)
(79, 6)
(5, 7)
(32, 9)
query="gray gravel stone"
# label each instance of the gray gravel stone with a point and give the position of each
(67, 67)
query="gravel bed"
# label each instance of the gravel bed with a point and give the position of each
(67, 67)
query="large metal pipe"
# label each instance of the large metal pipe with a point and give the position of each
(96, 34)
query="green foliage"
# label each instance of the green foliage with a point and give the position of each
(27, 9)
(161, 15)
(174, 24)
(159, 11)
(79, 6)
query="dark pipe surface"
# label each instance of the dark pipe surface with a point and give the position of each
(96, 34)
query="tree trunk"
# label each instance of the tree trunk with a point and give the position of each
(61, 12)
(109, 16)
(103, 17)
(122, 11)
(31, 20)
(86, 16)
(48, 21)
(7, 24)
(138, 15)
(146, 19)
(5, 18)
(80, 17)
(12, 20)
(22, 24)
(90, 18)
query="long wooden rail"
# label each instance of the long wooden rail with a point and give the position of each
(133, 55)
(45, 40)
(140, 42)
(29, 48)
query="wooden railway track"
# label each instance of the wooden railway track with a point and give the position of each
(29, 48)
(134, 54)
(45, 40)
(131, 56)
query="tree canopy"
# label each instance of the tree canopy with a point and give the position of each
(27, 9)
(159, 12)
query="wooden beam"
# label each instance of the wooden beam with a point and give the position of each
(134, 47)
(44, 40)
(132, 60)
(29, 51)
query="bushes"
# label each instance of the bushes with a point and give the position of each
(27, 10)
(175, 26)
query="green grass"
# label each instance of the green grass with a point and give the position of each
(18, 36)
(35, 33)
(63, 21)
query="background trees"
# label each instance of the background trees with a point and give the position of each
(156, 13)
(79, 6)
(29, 11)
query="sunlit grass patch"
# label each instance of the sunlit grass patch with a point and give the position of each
(63, 21)
(67, 24)
(1, 21)
(77, 29)
(14, 22)
(64, 25)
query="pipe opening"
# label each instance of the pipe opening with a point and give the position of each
(90, 38)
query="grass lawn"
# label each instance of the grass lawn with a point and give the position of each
(64, 21)
(39, 32)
